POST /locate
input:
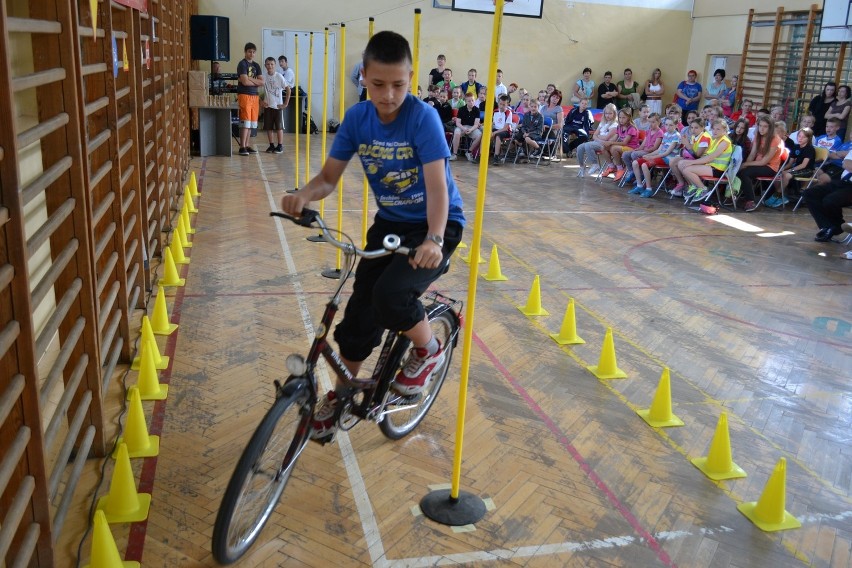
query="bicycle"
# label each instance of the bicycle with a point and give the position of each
(267, 462)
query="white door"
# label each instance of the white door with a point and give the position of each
(278, 42)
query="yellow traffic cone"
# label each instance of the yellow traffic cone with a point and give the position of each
(660, 414)
(187, 225)
(104, 551)
(607, 367)
(139, 443)
(160, 323)
(193, 185)
(180, 230)
(189, 204)
(467, 258)
(170, 274)
(719, 464)
(533, 307)
(147, 341)
(123, 504)
(768, 512)
(148, 381)
(177, 250)
(568, 332)
(494, 273)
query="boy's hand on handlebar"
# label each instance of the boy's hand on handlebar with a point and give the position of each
(293, 203)
(428, 255)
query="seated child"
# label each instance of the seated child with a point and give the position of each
(652, 141)
(501, 127)
(801, 165)
(669, 148)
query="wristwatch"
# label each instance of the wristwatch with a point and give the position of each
(437, 239)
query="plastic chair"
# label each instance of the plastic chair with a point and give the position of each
(785, 157)
(821, 158)
(726, 177)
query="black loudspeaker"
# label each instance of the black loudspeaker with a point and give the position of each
(209, 38)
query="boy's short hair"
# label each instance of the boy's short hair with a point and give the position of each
(499, 70)
(447, 69)
(763, 111)
(504, 98)
(471, 70)
(587, 69)
(268, 59)
(442, 56)
(433, 88)
(834, 120)
(607, 73)
(284, 57)
(387, 47)
(250, 45)
(469, 94)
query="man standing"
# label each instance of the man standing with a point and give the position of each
(273, 105)
(289, 79)
(250, 78)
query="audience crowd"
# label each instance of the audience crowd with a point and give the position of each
(627, 132)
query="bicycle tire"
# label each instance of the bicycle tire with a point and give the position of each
(399, 423)
(254, 490)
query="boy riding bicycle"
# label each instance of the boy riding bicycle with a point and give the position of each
(400, 141)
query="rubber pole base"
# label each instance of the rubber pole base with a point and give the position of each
(316, 239)
(441, 508)
(332, 273)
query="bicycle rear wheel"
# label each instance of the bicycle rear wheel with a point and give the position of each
(262, 473)
(405, 413)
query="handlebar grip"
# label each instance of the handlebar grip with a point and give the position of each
(307, 217)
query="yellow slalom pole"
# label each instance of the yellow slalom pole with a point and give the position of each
(342, 109)
(308, 119)
(365, 198)
(474, 252)
(298, 110)
(324, 96)
(416, 52)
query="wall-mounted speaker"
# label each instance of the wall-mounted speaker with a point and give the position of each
(209, 38)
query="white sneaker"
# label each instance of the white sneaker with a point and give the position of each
(453, 157)
(594, 170)
(581, 173)
(469, 156)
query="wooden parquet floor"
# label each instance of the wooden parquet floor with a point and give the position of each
(751, 316)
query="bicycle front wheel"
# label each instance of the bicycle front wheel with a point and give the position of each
(403, 415)
(262, 473)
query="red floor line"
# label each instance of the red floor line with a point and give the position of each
(562, 438)
(138, 531)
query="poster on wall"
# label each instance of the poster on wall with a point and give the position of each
(523, 8)
(141, 5)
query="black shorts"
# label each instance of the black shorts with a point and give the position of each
(833, 171)
(387, 289)
(503, 135)
(273, 119)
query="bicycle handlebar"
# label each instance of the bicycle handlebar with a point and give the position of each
(390, 244)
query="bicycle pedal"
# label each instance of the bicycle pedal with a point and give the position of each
(327, 439)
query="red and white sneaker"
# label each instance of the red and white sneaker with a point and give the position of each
(417, 370)
(322, 423)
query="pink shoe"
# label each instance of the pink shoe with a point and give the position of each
(677, 190)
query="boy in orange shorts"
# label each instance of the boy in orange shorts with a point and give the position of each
(250, 78)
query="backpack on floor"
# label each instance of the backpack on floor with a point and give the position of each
(314, 128)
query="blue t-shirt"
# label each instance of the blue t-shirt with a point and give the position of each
(690, 91)
(393, 156)
(252, 70)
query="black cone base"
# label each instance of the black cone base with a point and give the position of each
(441, 508)
(316, 239)
(332, 273)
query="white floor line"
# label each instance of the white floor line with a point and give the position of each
(596, 544)
(373, 537)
